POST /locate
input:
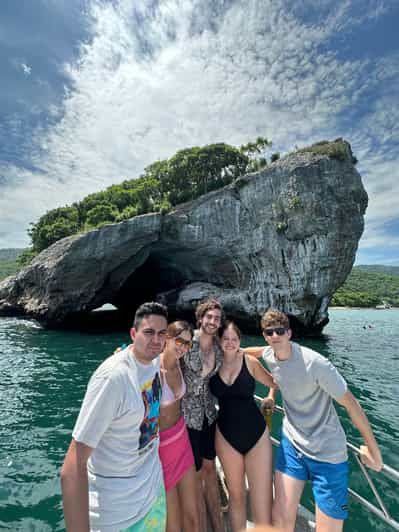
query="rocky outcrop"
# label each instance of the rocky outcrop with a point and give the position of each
(284, 237)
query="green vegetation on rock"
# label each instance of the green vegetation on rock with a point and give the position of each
(339, 149)
(366, 286)
(187, 175)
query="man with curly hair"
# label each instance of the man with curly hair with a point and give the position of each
(199, 365)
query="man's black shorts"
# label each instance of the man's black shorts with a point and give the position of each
(203, 443)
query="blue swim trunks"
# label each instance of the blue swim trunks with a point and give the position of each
(329, 481)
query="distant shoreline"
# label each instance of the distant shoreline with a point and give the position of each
(361, 308)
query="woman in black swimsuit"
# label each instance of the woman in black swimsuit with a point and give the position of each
(242, 440)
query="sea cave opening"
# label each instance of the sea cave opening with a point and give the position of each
(158, 274)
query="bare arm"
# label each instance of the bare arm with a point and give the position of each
(370, 453)
(254, 351)
(259, 373)
(263, 376)
(269, 401)
(74, 486)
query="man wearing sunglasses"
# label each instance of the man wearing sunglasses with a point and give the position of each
(199, 364)
(313, 442)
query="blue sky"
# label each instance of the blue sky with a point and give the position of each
(92, 91)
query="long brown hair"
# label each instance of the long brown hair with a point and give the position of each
(177, 327)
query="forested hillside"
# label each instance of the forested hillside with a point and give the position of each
(9, 263)
(369, 286)
(10, 254)
(379, 268)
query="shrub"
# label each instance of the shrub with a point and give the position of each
(54, 225)
(100, 215)
(338, 149)
(281, 226)
(294, 202)
(26, 257)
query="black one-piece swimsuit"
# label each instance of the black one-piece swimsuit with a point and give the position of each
(239, 420)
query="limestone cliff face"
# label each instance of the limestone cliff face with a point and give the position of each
(284, 237)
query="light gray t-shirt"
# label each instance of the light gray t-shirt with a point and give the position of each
(119, 418)
(308, 382)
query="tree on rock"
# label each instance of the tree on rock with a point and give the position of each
(195, 171)
(100, 215)
(55, 224)
(255, 151)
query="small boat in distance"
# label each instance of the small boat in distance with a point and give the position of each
(384, 305)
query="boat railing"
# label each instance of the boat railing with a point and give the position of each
(380, 510)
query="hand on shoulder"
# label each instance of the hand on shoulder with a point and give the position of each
(120, 348)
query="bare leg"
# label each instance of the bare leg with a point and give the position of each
(288, 491)
(173, 521)
(211, 494)
(233, 466)
(187, 490)
(201, 502)
(325, 523)
(258, 467)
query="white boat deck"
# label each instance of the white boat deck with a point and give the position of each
(304, 521)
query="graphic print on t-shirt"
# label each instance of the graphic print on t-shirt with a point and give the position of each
(151, 394)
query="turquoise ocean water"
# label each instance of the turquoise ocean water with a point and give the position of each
(43, 376)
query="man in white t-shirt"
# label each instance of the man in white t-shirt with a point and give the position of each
(313, 442)
(111, 477)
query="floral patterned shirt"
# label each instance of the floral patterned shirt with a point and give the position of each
(198, 400)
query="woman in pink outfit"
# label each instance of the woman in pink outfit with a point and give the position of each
(174, 449)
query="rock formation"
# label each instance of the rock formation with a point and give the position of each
(284, 237)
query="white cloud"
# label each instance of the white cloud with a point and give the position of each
(376, 143)
(27, 70)
(160, 77)
(375, 236)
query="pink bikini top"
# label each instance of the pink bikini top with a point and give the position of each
(168, 397)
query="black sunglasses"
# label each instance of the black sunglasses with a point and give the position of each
(280, 331)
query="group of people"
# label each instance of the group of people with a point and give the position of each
(143, 449)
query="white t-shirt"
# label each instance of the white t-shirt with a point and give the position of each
(119, 418)
(308, 382)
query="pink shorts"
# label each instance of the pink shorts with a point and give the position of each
(175, 453)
